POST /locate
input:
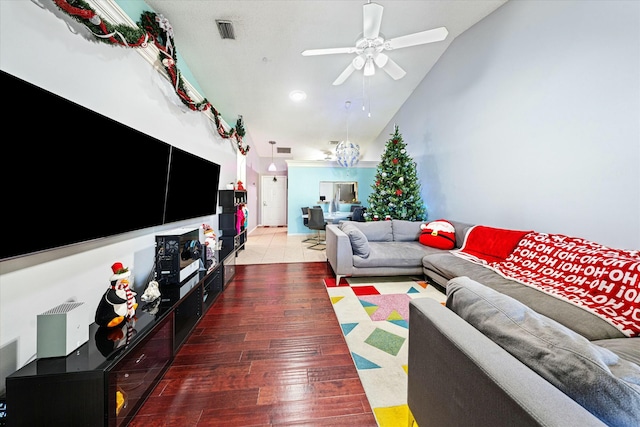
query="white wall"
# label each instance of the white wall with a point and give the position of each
(36, 45)
(531, 120)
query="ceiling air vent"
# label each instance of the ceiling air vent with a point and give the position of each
(284, 150)
(226, 29)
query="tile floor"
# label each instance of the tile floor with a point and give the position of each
(271, 245)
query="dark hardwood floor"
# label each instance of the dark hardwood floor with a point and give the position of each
(269, 352)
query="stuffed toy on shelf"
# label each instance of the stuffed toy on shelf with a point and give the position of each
(245, 212)
(119, 302)
(240, 218)
(210, 244)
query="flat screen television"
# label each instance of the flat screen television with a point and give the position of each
(192, 188)
(74, 175)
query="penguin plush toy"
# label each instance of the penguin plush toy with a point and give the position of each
(118, 303)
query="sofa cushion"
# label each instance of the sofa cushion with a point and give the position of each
(627, 348)
(376, 231)
(595, 377)
(462, 228)
(394, 254)
(405, 231)
(442, 267)
(359, 242)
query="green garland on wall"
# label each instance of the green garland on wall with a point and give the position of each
(156, 29)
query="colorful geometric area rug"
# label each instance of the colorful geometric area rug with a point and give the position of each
(374, 315)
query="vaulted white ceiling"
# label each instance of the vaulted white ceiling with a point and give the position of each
(253, 74)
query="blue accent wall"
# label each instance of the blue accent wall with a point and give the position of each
(304, 189)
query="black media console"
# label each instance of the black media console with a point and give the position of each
(106, 380)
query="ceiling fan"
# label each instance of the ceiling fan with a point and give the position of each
(369, 48)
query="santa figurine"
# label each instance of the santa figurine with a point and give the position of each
(240, 186)
(118, 303)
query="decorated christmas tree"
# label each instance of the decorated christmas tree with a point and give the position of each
(396, 190)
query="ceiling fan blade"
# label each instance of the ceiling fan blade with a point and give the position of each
(393, 69)
(429, 36)
(345, 74)
(380, 59)
(328, 51)
(372, 18)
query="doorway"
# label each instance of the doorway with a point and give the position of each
(273, 194)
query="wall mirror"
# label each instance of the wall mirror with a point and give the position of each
(345, 191)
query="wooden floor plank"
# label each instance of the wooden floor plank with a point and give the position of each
(269, 352)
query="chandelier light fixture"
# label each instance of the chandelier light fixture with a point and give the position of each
(347, 153)
(272, 166)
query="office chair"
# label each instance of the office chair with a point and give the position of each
(358, 214)
(305, 221)
(317, 222)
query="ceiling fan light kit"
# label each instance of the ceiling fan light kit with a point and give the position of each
(369, 48)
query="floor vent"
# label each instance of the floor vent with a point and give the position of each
(226, 29)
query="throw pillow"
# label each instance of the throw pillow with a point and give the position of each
(438, 234)
(359, 242)
(595, 377)
(490, 244)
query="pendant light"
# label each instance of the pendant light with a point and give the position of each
(272, 166)
(347, 153)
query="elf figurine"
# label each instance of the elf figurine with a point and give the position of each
(118, 303)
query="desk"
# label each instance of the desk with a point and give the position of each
(334, 217)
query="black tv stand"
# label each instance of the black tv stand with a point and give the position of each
(105, 382)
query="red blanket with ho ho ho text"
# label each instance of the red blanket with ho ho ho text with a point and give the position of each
(599, 279)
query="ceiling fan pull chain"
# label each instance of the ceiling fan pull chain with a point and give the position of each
(369, 97)
(364, 93)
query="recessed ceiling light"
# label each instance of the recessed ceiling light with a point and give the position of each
(297, 95)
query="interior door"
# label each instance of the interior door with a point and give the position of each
(273, 191)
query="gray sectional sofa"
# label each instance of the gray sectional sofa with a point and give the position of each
(499, 353)
(380, 248)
